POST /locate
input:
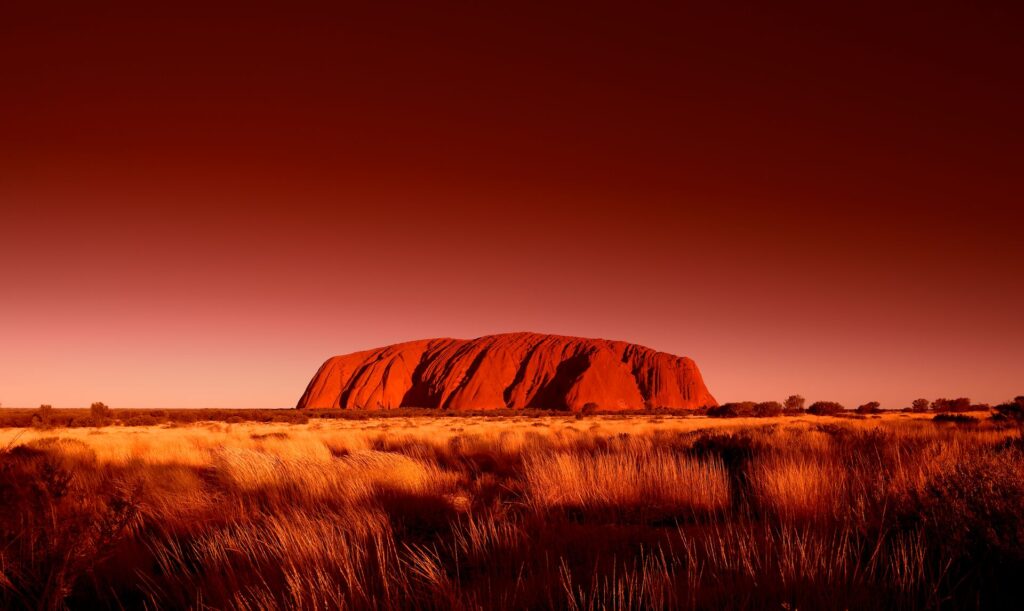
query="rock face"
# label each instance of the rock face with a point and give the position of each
(514, 370)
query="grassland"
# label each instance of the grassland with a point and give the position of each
(605, 512)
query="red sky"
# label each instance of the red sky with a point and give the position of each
(198, 206)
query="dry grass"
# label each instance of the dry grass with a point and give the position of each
(635, 512)
(630, 481)
(799, 487)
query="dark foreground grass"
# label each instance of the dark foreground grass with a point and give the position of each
(604, 514)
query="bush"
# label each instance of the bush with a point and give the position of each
(100, 413)
(955, 418)
(871, 407)
(733, 410)
(962, 404)
(746, 409)
(919, 405)
(985, 492)
(1013, 410)
(733, 449)
(725, 410)
(795, 403)
(768, 409)
(142, 420)
(56, 525)
(43, 417)
(825, 408)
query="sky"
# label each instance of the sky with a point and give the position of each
(198, 205)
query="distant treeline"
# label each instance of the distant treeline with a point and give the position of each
(795, 405)
(99, 414)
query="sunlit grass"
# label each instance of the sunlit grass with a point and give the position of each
(657, 512)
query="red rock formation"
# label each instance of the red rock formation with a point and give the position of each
(513, 370)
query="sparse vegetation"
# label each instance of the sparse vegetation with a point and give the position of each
(768, 409)
(747, 409)
(513, 512)
(100, 413)
(795, 403)
(962, 404)
(825, 408)
(588, 409)
(1012, 409)
(43, 416)
(740, 409)
(871, 407)
(956, 418)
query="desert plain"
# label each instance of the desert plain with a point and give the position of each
(551, 511)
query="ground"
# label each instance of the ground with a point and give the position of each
(515, 512)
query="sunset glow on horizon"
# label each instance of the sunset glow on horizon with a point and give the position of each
(199, 206)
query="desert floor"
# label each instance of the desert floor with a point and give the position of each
(623, 512)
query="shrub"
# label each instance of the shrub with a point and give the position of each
(1013, 409)
(726, 410)
(795, 403)
(733, 449)
(825, 408)
(142, 420)
(100, 413)
(768, 409)
(55, 525)
(955, 418)
(732, 410)
(871, 407)
(974, 509)
(962, 404)
(43, 417)
(919, 405)
(1011, 413)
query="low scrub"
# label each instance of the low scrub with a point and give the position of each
(607, 512)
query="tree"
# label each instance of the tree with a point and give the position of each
(795, 403)
(825, 408)
(1012, 409)
(871, 407)
(919, 405)
(961, 404)
(99, 412)
(732, 410)
(725, 410)
(768, 409)
(43, 415)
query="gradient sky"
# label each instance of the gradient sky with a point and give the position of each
(198, 205)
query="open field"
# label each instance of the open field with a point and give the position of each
(636, 512)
